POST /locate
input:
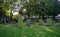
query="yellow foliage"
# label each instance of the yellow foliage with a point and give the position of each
(8, 12)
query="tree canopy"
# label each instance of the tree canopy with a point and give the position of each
(39, 6)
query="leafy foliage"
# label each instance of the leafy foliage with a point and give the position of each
(39, 6)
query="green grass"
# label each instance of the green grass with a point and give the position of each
(9, 31)
(37, 31)
(32, 31)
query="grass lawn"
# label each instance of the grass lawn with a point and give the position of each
(32, 31)
(9, 31)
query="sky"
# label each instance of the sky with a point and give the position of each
(58, 0)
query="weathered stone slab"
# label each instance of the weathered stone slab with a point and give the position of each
(41, 22)
(28, 22)
(20, 20)
(49, 21)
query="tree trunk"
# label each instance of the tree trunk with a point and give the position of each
(39, 16)
(53, 17)
(43, 16)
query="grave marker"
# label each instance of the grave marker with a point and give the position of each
(20, 20)
(41, 22)
(49, 21)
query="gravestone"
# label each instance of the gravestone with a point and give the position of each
(41, 22)
(20, 20)
(28, 22)
(49, 21)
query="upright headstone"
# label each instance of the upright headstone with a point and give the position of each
(28, 22)
(20, 20)
(49, 21)
(41, 22)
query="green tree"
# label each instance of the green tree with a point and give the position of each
(39, 7)
(5, 6)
